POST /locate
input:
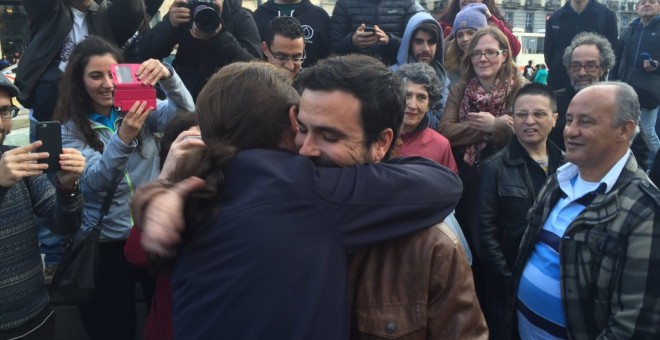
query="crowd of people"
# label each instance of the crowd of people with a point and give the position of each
(377, 173)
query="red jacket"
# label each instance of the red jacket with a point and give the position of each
(428, 144)
(159, 321)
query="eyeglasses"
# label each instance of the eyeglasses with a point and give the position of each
(589, 67)
(537, 115)
(489, 54)
(8, 112)
(285, 58)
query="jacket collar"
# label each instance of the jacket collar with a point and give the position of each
(420, 127)
(515, 154)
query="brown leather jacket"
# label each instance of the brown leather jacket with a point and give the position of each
(416, 287)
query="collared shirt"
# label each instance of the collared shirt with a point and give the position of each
(540, 313)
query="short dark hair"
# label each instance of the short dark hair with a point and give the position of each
(536, 89)
(431, 28)
(380, 91)
(288, 27)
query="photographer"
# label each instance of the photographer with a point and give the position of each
(205, 45)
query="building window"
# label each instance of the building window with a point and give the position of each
(529, 22)
(508, 16)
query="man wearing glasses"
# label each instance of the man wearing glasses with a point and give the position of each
(588, 59)
(25, 192)
(284, 44)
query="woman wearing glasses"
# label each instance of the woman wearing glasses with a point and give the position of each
(475, 119)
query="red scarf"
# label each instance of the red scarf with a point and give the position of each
(478, 99)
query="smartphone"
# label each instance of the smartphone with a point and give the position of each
(370, 29)
(50, 135)
(129, 89)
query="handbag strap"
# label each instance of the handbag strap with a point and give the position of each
(107, 202)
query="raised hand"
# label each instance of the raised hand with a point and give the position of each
(72, 165)
(21, 162)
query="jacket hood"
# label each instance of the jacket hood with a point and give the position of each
(403, 56)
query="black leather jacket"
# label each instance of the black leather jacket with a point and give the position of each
(510, 181)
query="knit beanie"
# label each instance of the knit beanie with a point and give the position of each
(473, 16)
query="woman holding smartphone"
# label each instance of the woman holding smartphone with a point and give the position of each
(121, 153)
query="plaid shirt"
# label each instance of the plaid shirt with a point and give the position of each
(610, 259)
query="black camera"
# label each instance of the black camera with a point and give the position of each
(205, 15)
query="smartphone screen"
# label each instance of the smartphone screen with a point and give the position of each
(50, 135)
(370, 29)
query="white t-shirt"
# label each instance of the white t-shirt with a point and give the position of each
(78, 33)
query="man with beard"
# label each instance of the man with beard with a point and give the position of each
(297, 222)
(422, 43)
(25, 192)
(588, 59)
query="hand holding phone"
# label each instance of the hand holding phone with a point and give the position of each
(50, 134)
(129, 89)
(370, 29)
(647, 56)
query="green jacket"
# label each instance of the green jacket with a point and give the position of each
(610, 257)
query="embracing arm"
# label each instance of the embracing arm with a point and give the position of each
(376, 202)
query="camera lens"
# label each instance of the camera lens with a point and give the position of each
(206, 19)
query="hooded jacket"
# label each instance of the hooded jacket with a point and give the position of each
(196, 60)
(314, 20)
(404, 57)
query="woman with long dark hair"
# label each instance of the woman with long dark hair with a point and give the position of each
(121, 153)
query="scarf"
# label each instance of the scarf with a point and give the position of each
(478, 99)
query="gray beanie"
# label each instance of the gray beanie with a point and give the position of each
(473, 16)
(5, 84)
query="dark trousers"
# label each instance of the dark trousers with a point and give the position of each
(41, 327)
(110, 313)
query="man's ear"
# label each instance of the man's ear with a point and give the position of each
(627, 131)
(293, 115)
(264, 48)
(555, 116)
(380, 146)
